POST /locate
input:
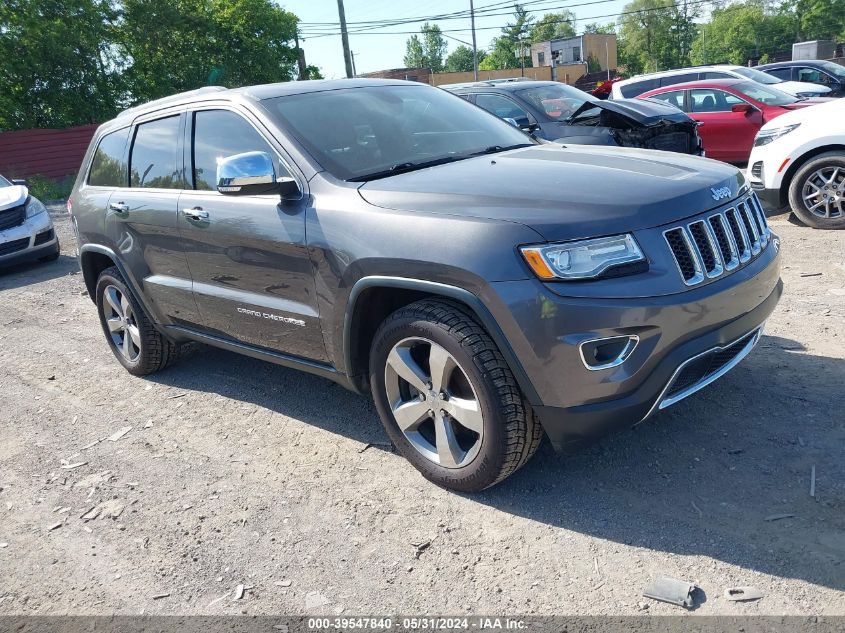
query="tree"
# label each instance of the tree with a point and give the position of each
(595, 27)
(460, 59)
(656, 34)
(553, 26)
(176, 45)
(511, 49)
(57, 68)
(816, 19)
(742, 31)
(426, 50)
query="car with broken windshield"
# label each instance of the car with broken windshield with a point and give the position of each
(487, 290)
(556, 112)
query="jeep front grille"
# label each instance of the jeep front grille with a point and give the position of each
(707, 248)
(12, 217)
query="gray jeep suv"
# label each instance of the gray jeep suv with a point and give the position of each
(485, 288)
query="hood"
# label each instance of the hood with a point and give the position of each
(645, 112)
(12, 196)
(830, 110)
(797, 87)
(564, 192)
(806, 103)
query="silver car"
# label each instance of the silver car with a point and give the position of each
(26, 230)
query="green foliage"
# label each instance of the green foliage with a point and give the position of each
(57, 67)
(460, 59)
(427, 49)
(46, 189)
(553, 26)
(739, 32)
(69, 62)
(595, 27)
(817, 19)
(656, 34)
(177, 45)
(512, 49)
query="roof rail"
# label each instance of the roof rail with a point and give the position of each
(171, 99)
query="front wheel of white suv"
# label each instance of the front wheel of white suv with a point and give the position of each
(817, 192)
(447, 398)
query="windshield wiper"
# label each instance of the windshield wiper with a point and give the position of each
(402, 168)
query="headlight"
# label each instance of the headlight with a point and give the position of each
(764, 137)
(34, 207)
(583, 259)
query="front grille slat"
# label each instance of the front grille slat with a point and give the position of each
(12, 217)
(14, 246)
(708, 248)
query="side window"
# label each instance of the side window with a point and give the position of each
(780, 73)
(108, 167)
(221, 133)
(678, 79)
(710, 100)
(716, 75)
(675, 98)
(155, 162)
(814, 76)
(502, 107)
(636, 88)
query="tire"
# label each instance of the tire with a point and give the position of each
(810, 179)
(147, 351)
(482, 430)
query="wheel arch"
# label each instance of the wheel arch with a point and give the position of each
(799, 162)
(374, 298)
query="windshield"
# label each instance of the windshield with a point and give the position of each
(833, 69)
(757, 75)
(359, 133)
(769, 96)
(559, 102)
(4, 182)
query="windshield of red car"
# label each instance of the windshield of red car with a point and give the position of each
(764, 94)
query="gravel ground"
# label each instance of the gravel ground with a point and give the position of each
(236, 472)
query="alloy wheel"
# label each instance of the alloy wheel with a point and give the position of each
(823, 193)
(433, 402)
(121, 323)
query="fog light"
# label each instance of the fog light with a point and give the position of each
(605, 353)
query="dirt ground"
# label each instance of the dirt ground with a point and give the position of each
(236, 472)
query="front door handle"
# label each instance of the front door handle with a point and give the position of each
(119, 207)
(195, 214)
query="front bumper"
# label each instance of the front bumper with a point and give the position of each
(576, 405)
(33, 239)
(772, 199)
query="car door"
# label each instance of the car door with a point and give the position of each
(726, 135)
(816, 76)
(142, 218)
(252, 275)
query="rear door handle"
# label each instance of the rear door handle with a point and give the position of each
(119, 207)
(195, 214)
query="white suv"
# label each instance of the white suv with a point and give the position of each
(799, 159)
(635, 86)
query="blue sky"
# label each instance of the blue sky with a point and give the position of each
(377, 50)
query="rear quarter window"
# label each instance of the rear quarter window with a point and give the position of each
(108, 167)
(636, 88)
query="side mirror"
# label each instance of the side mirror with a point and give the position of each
(251, 174)
(745, 108)
(20, 181)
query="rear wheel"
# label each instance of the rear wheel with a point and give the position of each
(448, 399)
(817, 192)
(131, 336)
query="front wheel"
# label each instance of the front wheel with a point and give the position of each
(447, 398)
(817, 192)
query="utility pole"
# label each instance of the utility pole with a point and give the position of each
(344, 37)
(354, 70)
(300, 58)
(474, 48)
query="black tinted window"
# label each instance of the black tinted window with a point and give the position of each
(218, 134)
(155, 161)
(636, 88)
(678, 79)
(781, 73)
(108, 167)
(712, 74)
